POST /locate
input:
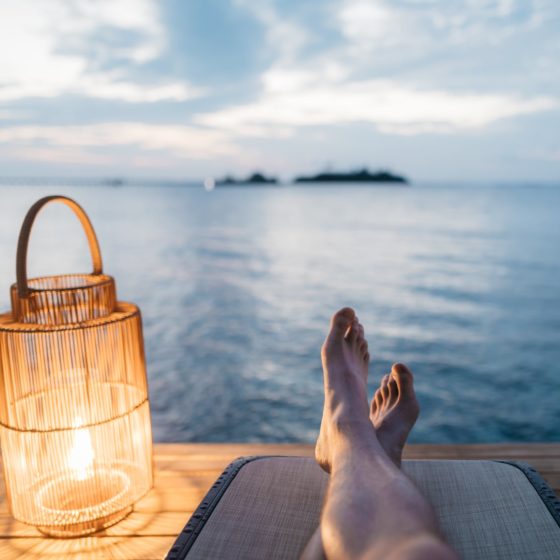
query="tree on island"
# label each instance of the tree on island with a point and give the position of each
(360, 176)
(253, 179)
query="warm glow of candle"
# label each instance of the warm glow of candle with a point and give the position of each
(80, 458)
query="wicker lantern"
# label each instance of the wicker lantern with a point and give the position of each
(74, 415)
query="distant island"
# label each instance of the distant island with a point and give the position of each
(361, 176)
(358, 176)
(254, 179)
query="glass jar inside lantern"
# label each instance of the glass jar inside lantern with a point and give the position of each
(75, 423)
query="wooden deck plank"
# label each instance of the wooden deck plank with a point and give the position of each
(89, 548)
(183, 475)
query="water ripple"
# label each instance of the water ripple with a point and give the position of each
(237, 287)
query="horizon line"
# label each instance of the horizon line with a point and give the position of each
(118, 181)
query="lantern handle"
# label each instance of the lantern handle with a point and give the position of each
(25, 232)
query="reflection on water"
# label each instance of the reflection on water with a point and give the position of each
(237, 286)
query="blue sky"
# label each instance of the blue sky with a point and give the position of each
(435, 89)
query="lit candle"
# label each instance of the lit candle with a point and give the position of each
(80, 458)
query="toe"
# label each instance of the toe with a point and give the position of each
(353, 332)
(384, 390)
(363, 347)
(340, 323)
(374, 405)
(403, 377)
(393, 391)
(361, 331)
(378, 400)
(342, 319)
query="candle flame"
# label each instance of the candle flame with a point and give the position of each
(80, 458)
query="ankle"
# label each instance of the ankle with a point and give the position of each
(350, 422)
(350, 452)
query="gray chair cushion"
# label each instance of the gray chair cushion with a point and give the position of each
(268, 508)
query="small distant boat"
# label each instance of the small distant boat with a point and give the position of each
(115, 182)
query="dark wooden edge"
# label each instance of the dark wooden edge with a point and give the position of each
(545, 492)
(196, 523)
(194, 526)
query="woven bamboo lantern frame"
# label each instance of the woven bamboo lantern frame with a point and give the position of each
(75, 426)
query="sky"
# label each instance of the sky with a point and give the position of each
(441, 90)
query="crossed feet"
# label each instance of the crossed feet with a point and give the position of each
(349, 422)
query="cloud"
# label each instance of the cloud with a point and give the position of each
(375, 24)
(302, 100)
(101, 86)
(178, 141)
(403, 67)
(284, 35)
(380, 25)
(332, 86)
(46, 50)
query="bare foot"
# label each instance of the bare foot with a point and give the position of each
(345, 424)
(394, 410)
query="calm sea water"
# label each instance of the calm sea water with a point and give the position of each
(237, 285)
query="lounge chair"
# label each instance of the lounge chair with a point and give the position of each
(267, 508)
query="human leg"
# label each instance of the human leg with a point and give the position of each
(372, 510)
